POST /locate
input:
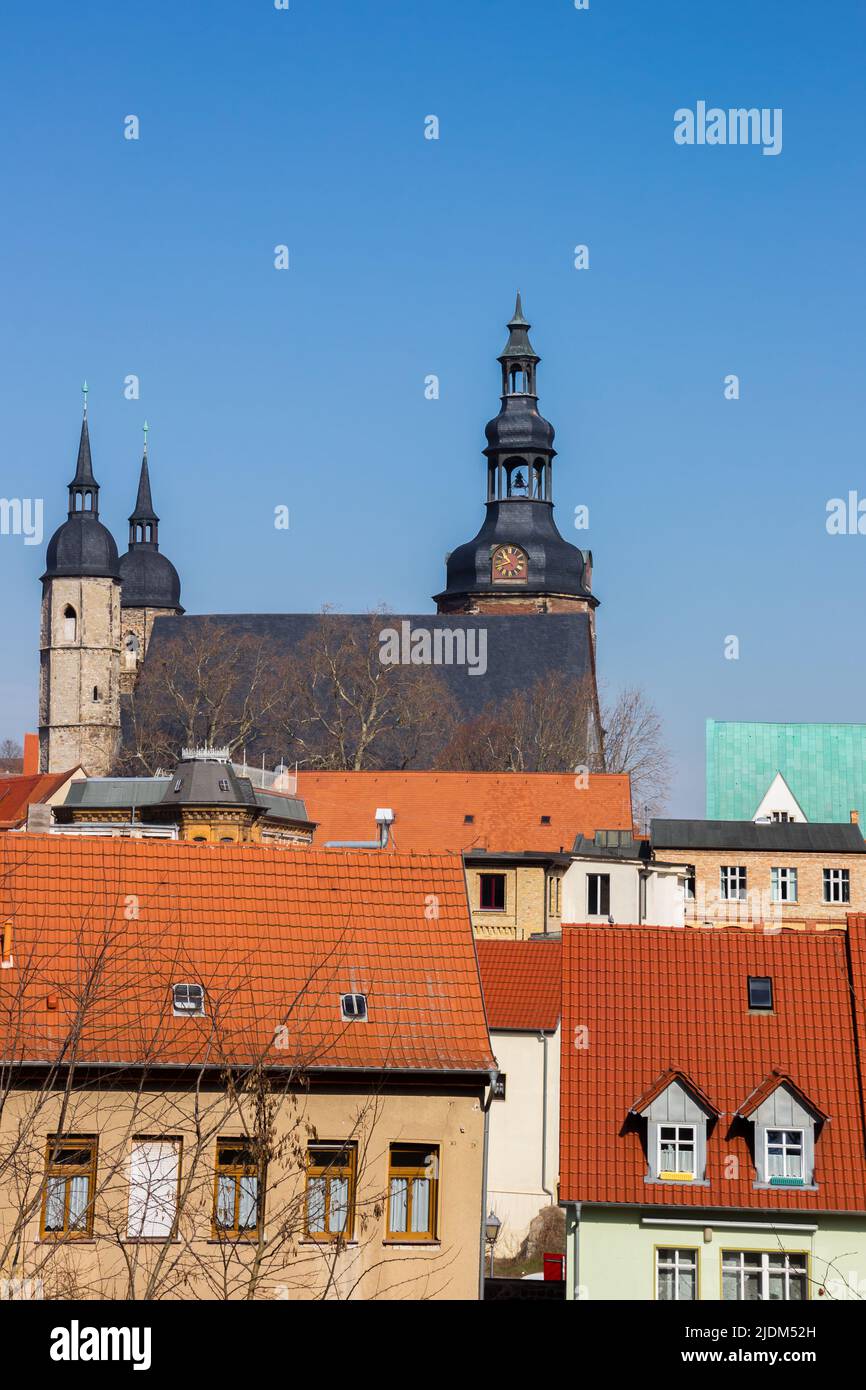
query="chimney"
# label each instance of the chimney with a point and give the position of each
(31, 755)
(39, 819)
(855, 817)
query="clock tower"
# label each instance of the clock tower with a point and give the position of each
(518, 563)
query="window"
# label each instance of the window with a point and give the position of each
(598, 895)
(677, 1275)
(545, 820)
(492, 892)
(754, 1275)
(96, 694)
(70, 1179)
(498, 1087)
(676, 1152)
(70, 624)
(131, 650)
(732, 882)
(354, 1007)
(413, 1191)
(783, 885)
(689, 888)
(554, 896)
(330, 1196)
(760, 992)
(784, 1167)
(468, 820)
(236, 1189)
(178, 784)
(154, 1183)
(781, 817)
(187, 999)
(837, 888)
(224, 784)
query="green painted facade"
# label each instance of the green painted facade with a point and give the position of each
(823, 764)
(612, 1253)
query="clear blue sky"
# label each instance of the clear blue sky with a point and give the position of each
(305, 387)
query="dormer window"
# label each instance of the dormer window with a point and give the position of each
(785, 1126)
(677, 1116)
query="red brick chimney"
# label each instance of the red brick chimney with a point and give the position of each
(31, 755)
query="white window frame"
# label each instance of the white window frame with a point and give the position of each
(193, 993)
(837, 886)
(685, 1260)
(730, 874)
(758, 1262)
(601, 911)
(787, 1149)
(678, 1143)
(782, 880)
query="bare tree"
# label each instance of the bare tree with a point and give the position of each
(548, 728)
(634, 743)
(11, 755)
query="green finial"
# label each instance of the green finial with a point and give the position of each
(85, 388)
(146, 427)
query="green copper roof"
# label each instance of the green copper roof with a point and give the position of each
(823, 764)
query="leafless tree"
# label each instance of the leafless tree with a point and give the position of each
(634, 743)
(548, 728)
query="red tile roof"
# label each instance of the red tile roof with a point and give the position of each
(522, 983)
(431, 808)
(274, 938)
(17, 793)
(648, 999)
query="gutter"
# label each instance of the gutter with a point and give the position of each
(492, 1077)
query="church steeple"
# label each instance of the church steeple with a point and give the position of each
(84, 489)
(518, 562)
(143, 521)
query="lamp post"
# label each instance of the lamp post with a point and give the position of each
(492, 1228)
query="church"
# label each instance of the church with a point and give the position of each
(518, 584)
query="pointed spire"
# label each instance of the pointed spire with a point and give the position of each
(518, 345)
(143, 522)
(84, 466)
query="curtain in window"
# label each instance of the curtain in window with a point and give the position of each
(54, 1204)
(225, 1214)
(153, 1178)
(399, 1213)
(420, 1205)
(339, 1205)
(686, 1284)
(249, 1192)
(316, 1205)
(78, 1188)
(669, 1156)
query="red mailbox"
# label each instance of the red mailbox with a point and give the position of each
(554, 1267)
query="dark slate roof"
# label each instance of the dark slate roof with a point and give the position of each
(200, 786)
(82, 546)
(520, 648)
(150, 580)
(282, 807)
(797, 836)
(117, 791)
(554, 565)
(625, 847)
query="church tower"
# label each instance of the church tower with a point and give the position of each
(79, 690)
(151, 585)
(519, 563)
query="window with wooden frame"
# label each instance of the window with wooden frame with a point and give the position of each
(491, 893)
(413, 1192)
(330, 1196)
(70, 1181)
(236, 1206)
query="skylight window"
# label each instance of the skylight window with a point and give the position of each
(224, 785)
(353, 1008)
(545, 820)
(187, 1001)
(761, 992)
(178, 784)
(468, 820)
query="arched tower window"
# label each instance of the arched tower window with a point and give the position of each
(70, 624)
(96, 694)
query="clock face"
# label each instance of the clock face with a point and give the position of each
(509, 562)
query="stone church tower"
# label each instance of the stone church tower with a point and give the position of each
(79, 677)
(151, 585)
(518, 562)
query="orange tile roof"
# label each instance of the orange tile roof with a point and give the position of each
(522, 983)
(274, 938)
(18, 792)
(659, 998)
(431, 808)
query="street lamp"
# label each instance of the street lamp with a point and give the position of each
(492, 1227)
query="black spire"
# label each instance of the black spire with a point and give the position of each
(144, 522)
(82, 546)
(150, 580)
